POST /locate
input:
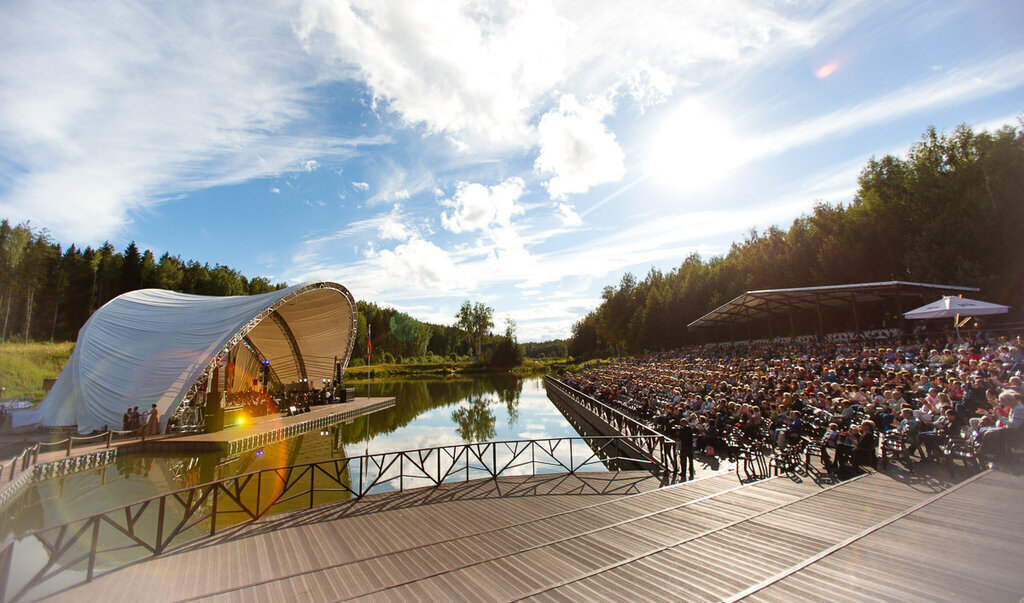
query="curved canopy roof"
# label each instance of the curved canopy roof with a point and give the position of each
(757, 305)
(150, 346)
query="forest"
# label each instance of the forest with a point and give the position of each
(48, 293)
(951, 212)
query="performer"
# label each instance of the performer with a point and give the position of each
(153, 421)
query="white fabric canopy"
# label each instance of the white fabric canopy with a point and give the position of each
(948, 307)
(150, 346)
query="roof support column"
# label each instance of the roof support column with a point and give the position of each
(817, 306)
(853, 308)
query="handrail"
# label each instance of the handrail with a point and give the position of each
(166, 522)
(591, 400)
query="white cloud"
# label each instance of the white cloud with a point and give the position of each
(420, 264)
(568, 215)
(466, 69)
(123, 106)
(275, 190)
(311, 165)
(361, 186)
(476, 207)
(481, 72)
(577, 148)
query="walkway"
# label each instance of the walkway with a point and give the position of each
(611, 536)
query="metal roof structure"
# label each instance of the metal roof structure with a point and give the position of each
(150, 346)
(766, 303)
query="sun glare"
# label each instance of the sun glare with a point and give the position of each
(693, 147)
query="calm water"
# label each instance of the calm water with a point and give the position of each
(426, 414)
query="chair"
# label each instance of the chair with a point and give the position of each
(964, 448)
(787, 458)
(894, 446)
(754, 457)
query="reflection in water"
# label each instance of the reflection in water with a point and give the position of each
(427, 413)
(475, 423)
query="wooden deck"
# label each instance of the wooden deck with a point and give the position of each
(892, 535)
(261, 430)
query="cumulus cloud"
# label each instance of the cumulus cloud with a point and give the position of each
(476, 207)
(481, 72)
(577, 148)
(311, 165)
(467, 69)
(421, 264)
(361, 186)
(568, 215)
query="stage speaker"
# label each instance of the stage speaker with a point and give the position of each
(214, 411)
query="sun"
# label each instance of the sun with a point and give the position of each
(693, 147)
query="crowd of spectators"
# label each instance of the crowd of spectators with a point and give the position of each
(844, 396)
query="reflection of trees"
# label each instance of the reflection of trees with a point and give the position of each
(476, 423)
(508, 394)
(416, 397)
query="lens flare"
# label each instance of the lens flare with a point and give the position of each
(826, 70)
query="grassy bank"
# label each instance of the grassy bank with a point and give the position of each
(23, 367)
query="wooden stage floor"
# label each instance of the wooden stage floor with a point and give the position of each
(608, 536)
(266, 429)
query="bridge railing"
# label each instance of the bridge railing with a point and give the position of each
(657, 446)
(46, 561)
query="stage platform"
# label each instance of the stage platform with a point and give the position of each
(260, 431)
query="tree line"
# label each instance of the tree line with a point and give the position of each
(47, 292)
(951, 212)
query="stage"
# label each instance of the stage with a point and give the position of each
(260, 431)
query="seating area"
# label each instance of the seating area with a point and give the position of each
(847, 402)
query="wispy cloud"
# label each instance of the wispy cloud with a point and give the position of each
(122, 106)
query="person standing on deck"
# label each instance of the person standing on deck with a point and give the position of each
(153, 421)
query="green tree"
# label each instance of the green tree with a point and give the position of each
(475, 321)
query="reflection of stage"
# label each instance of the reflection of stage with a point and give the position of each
(257, 432)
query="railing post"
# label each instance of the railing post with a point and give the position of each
(438, 480)
(312, 478)
(494, 460)
(159, 548)
(110, 436)
(69, 445)
(92, 548)
(401, 473)
(572, 468)
(213, 512)
(259, 486)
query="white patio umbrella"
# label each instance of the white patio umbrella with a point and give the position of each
(951, 307)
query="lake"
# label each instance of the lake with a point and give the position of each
(427, 413)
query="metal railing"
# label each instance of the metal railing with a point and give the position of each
(657, 446)
(80, 550)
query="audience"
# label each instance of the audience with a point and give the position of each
(927, 390)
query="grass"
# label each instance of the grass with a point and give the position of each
(23, 367)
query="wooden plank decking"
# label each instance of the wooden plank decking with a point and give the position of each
(612, 537)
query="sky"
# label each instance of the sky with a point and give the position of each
(523, 154)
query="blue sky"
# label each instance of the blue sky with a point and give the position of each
(524, 154)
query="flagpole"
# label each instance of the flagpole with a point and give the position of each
(369, 350)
